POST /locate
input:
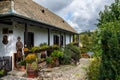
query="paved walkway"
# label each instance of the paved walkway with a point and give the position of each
(66, 72)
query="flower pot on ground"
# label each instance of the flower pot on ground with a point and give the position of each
(56, 54)
(32, 73)
(32, 70)
(50, 62)
(22, 65)
(51, 49)
(32, 66)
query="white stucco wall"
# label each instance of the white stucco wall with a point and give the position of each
(9, 49)
(40, 35)
(67, 38)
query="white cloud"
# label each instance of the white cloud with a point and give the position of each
(80, 14)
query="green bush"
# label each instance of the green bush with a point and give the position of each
(2, 72)
(57, 53)
(94, 69)
(71, 52)
(49, 60)
(110, 38)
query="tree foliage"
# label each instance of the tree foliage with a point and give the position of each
(86, 39)
(110, 38)
(109, 28)
(110, 14)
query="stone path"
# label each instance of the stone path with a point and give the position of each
(66, 72)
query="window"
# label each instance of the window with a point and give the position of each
(30, 39)
(56, 40)
(5, 31)
(61, 40)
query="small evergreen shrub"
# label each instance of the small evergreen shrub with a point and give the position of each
(71, 52)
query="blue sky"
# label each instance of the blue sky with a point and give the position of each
(82, 15)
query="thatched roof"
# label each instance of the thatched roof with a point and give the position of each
(32, 10)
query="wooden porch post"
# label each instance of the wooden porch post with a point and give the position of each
(78, 39)
(26, 35)
(73, 38)
(70, 38)
(48, 37)
(64, 39)
(60, 40)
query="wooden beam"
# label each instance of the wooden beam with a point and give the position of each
(48, 36)
(26, 35)
(73, 37)
(70, 38)
(29, 21)
(60, 40)
(65, 39)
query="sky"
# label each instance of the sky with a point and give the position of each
(82, 15)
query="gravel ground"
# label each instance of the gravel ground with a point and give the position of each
(66, 72)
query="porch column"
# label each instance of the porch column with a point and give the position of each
(73, 37)
(13, 57)
(64, 39)
(60, 40)
(70, 38)
(48, 37)
(26, 35)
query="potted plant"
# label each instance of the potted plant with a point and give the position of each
(2, 72)
(56, 54)
(26, 51)
(49, 61)
(51, 49)
(31, 61)
(22, 65)
(35, 49)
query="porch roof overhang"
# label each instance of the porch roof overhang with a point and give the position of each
(26, 20)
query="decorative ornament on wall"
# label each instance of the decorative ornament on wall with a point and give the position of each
(5, 40)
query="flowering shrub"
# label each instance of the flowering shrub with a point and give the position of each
(30, 58)
(25, 49)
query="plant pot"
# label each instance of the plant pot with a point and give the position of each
(22, 68)
(50, 65)
(57, 62)
(32, 73)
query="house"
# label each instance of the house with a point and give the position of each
(33, 23)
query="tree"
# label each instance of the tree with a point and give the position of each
(109, 28)
(110, 14)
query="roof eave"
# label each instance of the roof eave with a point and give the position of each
(17, 15)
